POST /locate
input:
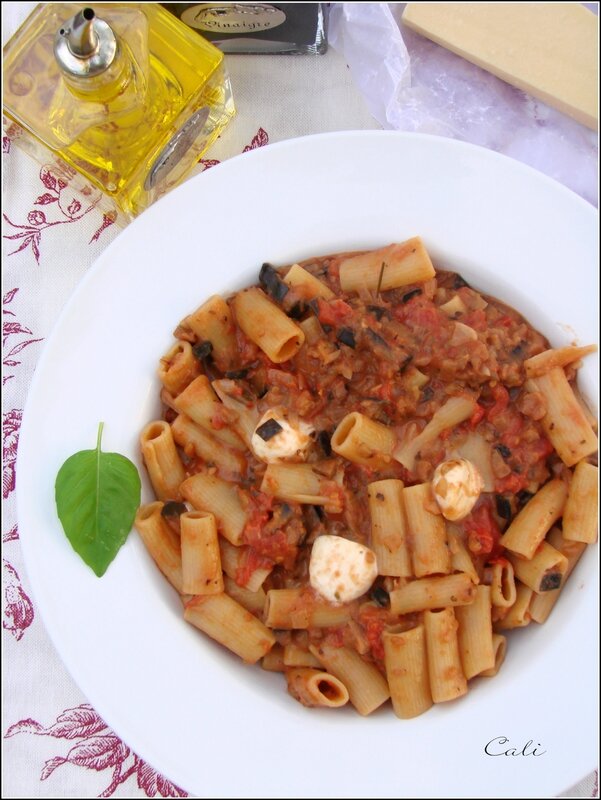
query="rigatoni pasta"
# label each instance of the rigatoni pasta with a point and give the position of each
(366, 475)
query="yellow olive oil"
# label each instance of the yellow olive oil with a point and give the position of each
(124, 93)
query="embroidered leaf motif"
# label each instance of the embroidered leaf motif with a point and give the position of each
(24, 726)
(97, 495)
(260, 139)
(76, 722)
(45, 199)
(17, 608)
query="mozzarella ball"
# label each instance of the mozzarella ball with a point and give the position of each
(456, 486)
(290, 441)
(341, 570)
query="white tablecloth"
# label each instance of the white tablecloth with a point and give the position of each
(54, 744)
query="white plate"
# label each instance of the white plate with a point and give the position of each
(212, 725)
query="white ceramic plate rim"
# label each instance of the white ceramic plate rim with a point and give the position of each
(211, 725)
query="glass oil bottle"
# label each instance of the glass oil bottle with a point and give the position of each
(123, 93)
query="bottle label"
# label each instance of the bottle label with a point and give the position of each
(236, 18)
(176, 148)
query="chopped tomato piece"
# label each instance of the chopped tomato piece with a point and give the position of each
(512, 483)
(251, 562)
(483, 531)
(332, 312)
(501, 401)
(477, 416)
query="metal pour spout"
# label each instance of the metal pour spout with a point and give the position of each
(81, 37)
(85, 45)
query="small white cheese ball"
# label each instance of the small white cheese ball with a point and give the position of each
(341, 570)
(456, 486)
(289, 442)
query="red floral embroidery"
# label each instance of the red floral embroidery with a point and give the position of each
(98, 749)
(107, 220)
(18, 610)
(56, 194)
(12, 328)
(11, 536)
(260, 139)
(11, 423)
(6, 142)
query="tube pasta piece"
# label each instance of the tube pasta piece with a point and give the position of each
(455, 410)
(447, 680)
(502, 584)
(443, 592)
(499, 644)
(581, 513)
(234, 558)
(407, 673)
(518, 616)
(165, 469)
(178, 367)
(531, 525)
(189, 435)
(363, 441)
(366, 686)
(404, 263)
(430, 553)
(297, 609)
(312, 330)
(273, 661)
(541, 605)
(314, 687)
(162, 542)
(560, 357)
(295, 656)
(544, 571)
(267, 326)
(461, 561)
(199, 402)
(454, 306)
(201, 563)
(299, 483)
(247, 414)
(251, 601)
(209, 493)
(389, 528)
(306, 284)
(231, 625)
(212, 322)
(475, 635)
(565, 423)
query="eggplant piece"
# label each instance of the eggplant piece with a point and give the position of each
(272, 283)
(376, 338)
(550, 581)
(410, 295)
(202, 350)
(380, 596)
(503, 507)
(378, 311)
(503, 451)
(173, 508)
(269, 429)
(347, 337)
(323, 437)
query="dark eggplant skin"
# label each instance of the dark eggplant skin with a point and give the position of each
(268, 429)
(271, 281)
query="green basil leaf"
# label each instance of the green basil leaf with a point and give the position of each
(97, 495)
